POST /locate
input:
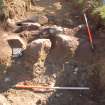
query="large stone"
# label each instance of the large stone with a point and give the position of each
(16, 42)
(64, 48)
(50, 32)
(26, 26)
(36, 19)
(43, 20)
(37, 51)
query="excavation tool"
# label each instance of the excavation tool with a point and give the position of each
(89, 33)
(48, 88)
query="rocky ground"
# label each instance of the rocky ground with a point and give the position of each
(54, 52)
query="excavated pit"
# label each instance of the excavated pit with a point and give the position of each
(68, 61)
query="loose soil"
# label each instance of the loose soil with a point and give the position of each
(86, 68)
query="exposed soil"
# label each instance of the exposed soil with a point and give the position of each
(85, 68)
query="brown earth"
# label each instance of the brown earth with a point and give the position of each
(84, 68)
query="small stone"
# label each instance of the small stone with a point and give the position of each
(7, 79)
(58, 28)
(76, 69)
(42, 20)
(59, 94)
(38, 69)
(80, 95)
(57, 5)
(81, 26)
(68, 22)
(54, 75)
(68, 31)
(11, 23)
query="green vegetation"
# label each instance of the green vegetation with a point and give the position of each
(1, 3)
(100, 11)
(95, 7)
(88, 4)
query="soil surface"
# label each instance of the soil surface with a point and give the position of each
(85, 69)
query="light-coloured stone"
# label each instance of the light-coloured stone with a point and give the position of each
(37, 51)
(42, 20)
(3, 100)
(28, 24)
(64, 48)
(57, 5)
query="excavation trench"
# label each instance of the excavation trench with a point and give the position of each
(59, 57)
